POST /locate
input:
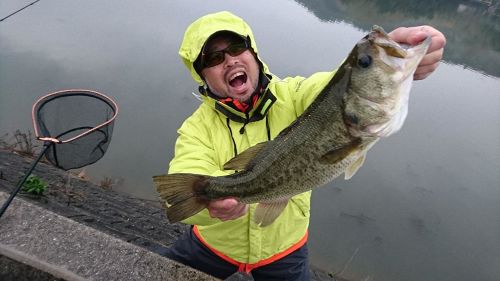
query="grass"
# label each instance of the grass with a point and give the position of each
(24, 144)
(106, 183)
(20, 142)
(34, 185)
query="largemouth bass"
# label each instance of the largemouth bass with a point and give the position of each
(365, 100)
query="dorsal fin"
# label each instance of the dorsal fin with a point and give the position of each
(240, 162)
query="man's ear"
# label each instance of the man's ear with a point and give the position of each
(202, 90)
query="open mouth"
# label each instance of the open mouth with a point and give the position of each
(238, 79)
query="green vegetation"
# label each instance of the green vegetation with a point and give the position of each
(35, 186)
(22, 143)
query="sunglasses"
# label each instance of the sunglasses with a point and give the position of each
(217, 57)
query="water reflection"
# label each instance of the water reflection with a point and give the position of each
(424, 206)
(471, 27)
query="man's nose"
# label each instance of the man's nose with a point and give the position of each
(230, 60)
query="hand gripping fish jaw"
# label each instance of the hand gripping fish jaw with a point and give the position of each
(366, 99)
(377, 104)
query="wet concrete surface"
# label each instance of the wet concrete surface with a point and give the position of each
(83, 204)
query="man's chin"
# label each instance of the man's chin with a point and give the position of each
(242, 97)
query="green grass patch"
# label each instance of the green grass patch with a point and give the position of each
(35, 185)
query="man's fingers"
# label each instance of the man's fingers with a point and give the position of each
(402, 35)
(227, 209)
(432, 58)
(428, 64)
(223, 204)
(235, 213)
(415, 35)
(438, 41)
(423, 71)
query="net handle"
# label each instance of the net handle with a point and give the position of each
(55, 140)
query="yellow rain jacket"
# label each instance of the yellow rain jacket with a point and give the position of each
(209, 138)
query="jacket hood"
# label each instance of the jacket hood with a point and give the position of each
(200, 30)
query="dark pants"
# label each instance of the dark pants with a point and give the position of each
(190, 251)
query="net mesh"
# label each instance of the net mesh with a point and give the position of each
(81, 121)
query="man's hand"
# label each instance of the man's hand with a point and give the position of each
(413, 36)
(227, 209)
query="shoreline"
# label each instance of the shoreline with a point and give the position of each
(140, 222)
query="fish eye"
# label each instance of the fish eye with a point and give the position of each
(364, 61)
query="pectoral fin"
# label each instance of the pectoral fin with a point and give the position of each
(266, 213)
(339, 153)
(354, 167)
(240, 162)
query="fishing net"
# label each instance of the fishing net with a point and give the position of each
(76, 128)
(78, 122)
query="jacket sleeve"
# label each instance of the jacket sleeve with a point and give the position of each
(194, 153)
(305, 90)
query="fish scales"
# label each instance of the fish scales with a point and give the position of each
(298, 168)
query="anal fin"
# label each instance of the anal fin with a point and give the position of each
(267, 213)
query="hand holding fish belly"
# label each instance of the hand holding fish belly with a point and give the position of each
(365, 100)
(226, 209)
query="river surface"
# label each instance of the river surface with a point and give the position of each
(426, 203)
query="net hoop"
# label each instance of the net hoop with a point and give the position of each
(42, 100)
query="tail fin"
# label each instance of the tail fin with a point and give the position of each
(182, 193)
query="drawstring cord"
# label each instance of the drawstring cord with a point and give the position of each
(232, 138)
(247, 120)
(242, 130)
(268, 128)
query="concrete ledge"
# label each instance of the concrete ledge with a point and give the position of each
(63, 249)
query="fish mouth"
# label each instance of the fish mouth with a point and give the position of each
(381, 112)
(399, 57)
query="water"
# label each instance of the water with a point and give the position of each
(425, 206)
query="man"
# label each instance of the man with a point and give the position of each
(244, 104)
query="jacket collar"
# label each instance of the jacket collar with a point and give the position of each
(256, 113)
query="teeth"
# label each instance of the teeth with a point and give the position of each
(236, 75)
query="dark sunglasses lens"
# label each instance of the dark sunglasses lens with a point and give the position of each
(214, 58)
(217, 57)
(236, 49)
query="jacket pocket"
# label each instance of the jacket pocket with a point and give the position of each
(303, 202)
